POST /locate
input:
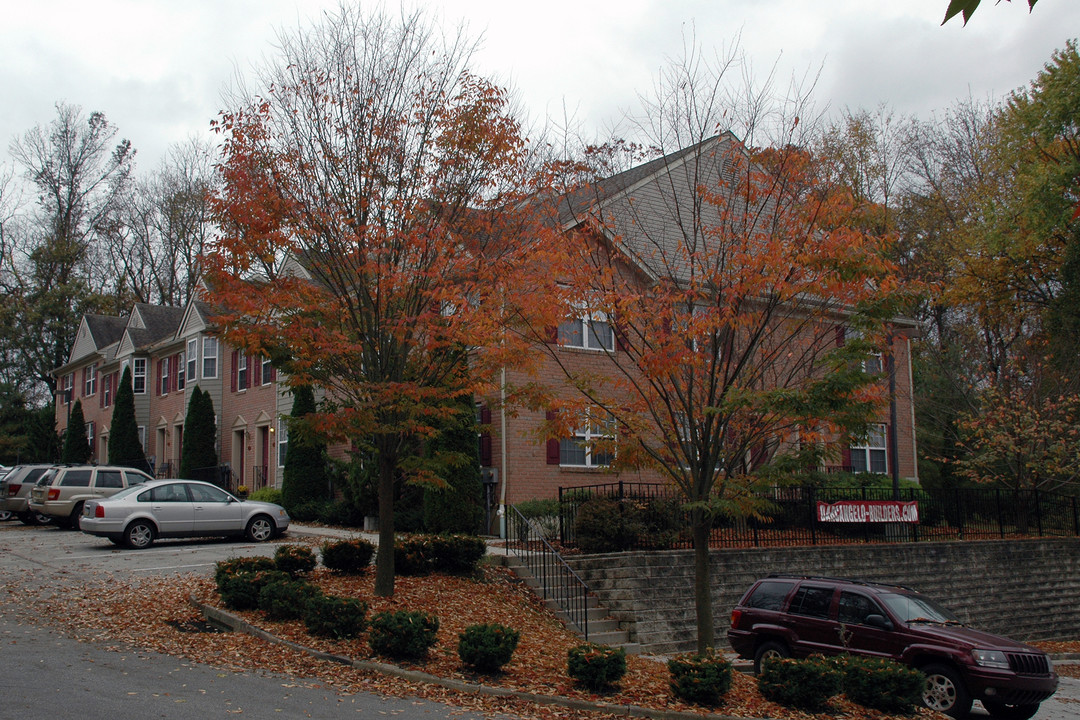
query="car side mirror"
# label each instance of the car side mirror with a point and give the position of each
(878, 621)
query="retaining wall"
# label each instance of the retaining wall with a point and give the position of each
(1026, 589)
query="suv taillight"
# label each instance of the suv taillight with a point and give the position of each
(99, 512)
(54, 493)
(735, 616)
(13, 490)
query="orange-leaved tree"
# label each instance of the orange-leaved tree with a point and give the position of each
(721, 285)
(372, 239)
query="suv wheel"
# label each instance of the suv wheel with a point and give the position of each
(32, 517)
(1010, 712)
(5, 515)
(945, 691)
(768, 650)
(75, 519)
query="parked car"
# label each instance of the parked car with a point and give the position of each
(15, 493)
(62, 491)
(788, 616)
(180, 508)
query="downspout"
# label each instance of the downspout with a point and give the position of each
(502, 453)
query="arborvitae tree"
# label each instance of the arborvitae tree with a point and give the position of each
(305, 459)
(124, 445)
(77, 448)
(457, 507)
(200, 435)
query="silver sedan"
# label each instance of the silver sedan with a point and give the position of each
(179, 508)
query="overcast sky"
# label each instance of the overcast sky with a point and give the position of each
(157, 68)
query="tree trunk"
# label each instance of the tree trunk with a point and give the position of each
(384, 557)
(702, 582)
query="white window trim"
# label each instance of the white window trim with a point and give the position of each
(584, 322)
(163, 388)
(136, 375)
(192, 359)
(90, 388)
(181, 371)
(210, 354)
(282, 441)
(242, 378)
(876, 432)
(585, 436)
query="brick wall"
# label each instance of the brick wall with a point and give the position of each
(1024, 589)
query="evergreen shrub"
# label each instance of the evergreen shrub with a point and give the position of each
(597, 667)
(285, 599)
(334, 617)
(402, 634)
(487, 647)
(349, 557)
(241, 591)
(802, 684)
(296, 560)
(883, 685)
(700, 679)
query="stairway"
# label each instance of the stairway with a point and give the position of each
(603, 628)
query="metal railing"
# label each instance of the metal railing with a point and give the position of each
(788, 516)
(259, 475)
(558, 582)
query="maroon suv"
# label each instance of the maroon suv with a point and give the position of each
(786, 616)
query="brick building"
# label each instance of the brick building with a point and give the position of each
(170, 350)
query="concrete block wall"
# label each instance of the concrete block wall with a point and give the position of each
(1025, 589)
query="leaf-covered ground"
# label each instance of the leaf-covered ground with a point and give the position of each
(155, 614)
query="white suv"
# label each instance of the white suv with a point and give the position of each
(62, 491)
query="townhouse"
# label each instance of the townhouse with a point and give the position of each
(171, 350)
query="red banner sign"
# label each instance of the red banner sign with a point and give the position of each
(868, 511)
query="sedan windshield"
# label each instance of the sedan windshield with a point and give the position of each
(917, 608)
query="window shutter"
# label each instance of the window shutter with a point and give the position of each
(551, 335)
(621, 343)
(840, 332)
(157, 380)
(101, 394)
(890, 443)
(552, 443)
(845, 457)
(273, 374)
(485, 437)
(235, 368)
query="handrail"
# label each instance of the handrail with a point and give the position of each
(558, 581)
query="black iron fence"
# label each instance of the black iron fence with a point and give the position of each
(625, 515)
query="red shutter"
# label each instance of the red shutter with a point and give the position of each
(485, 437)
(840, 332)
(552, 335)
(552, 443)
(890, 443)
(620, 336)
(176, 372)
(845, 457)
(157, 380)
(235, 362)
(101, 391)
(273, 374)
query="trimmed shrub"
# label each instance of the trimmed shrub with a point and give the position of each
(883, 685)
(402, 634)
(295, 560)
(285, 599)
(266, 494)
(348, 557)
(597, 667)
(700, 679)
(803, 684)
(241, 591)
(308, 510)
(422, 554)
(235, 566)
(487, 647)
(334, 617)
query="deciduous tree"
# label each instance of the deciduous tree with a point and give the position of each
(371, 223)
(715, 280)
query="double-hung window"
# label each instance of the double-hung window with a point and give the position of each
(871, 455)
(590, 331)
(181, 372)
(192, 358)
(282, 441)
(583, 448)
(164, 367)
(241, 371)
(138, 376)
(90, 377)
(210, 357)
(267, 372)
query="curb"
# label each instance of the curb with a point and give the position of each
(226, 620)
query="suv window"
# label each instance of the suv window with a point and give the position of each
(134, 477)
(769, 595)
(76, 478)
(109, 479)
(812, 601)
(854, 608)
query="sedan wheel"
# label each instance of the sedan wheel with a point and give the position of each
(139, 535)
(260, 528)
